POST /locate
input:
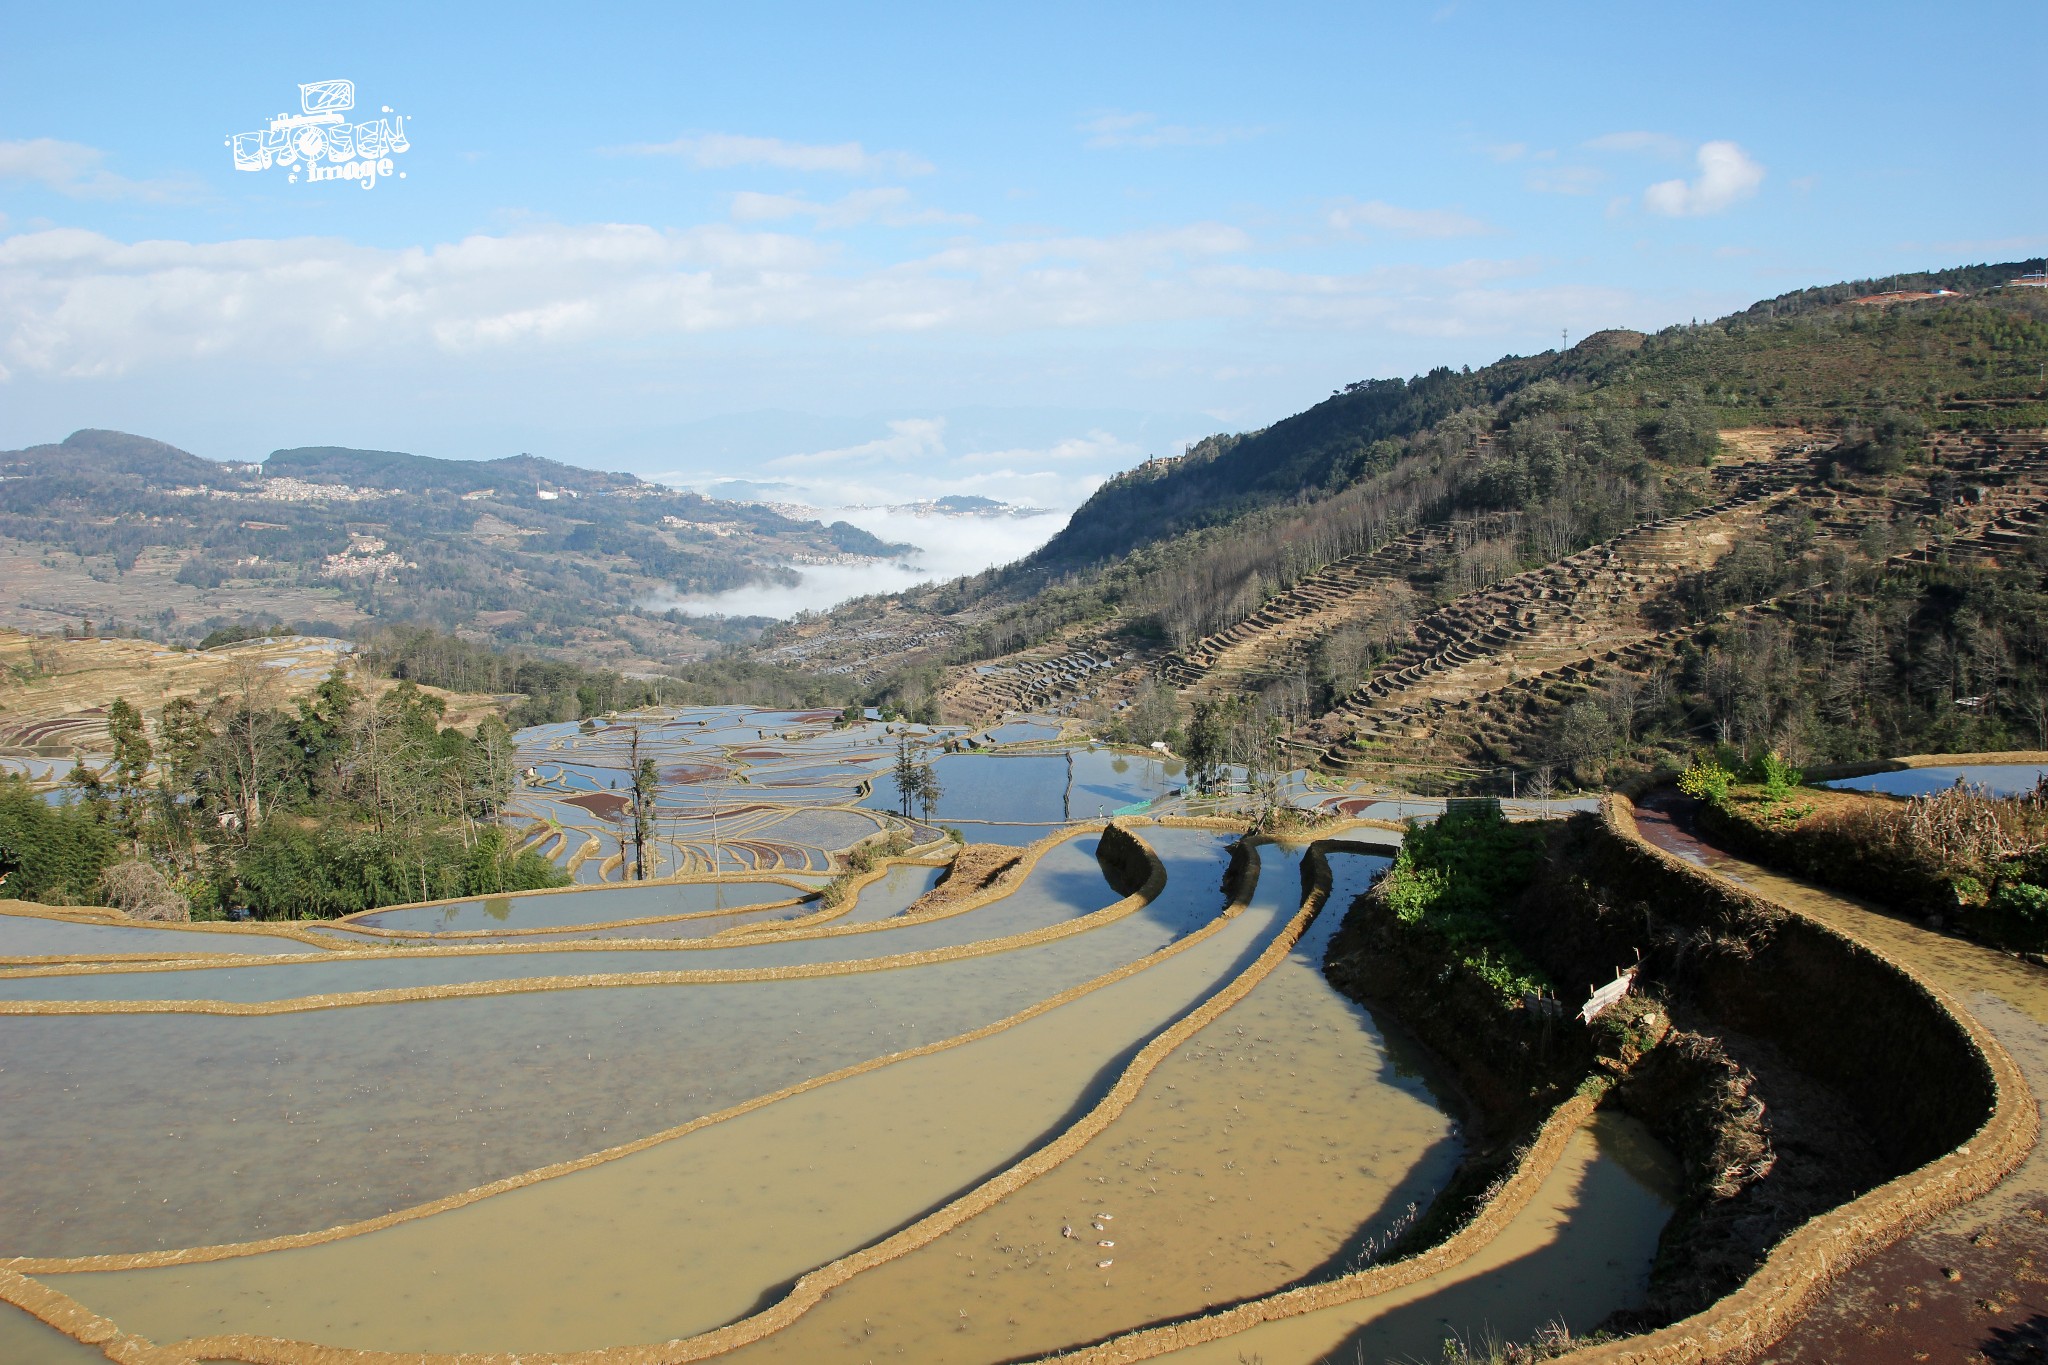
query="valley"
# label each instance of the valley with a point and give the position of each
(1472, 871)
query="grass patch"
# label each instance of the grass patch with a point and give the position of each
(1451, 879)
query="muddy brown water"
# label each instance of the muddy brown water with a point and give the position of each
(1580, 1249)
(131, 1133)
(692, 1233)
(1268, 1148)
(27, 1340)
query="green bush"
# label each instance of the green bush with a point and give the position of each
(290, 872)
(1451, 879)
(2024, 901)
(1776, 775)
(50, 853)
(1706, 780)
(493, 868)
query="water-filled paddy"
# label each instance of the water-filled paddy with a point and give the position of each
(558, 910)
(1021, 732)
(1581, 1249)
(287, 1123)
(1999, 779)
(1270, 1148)
(1080, 784)
(892, 893)
(1265, 1150)
(688, 1234)
(1065, 885)
(39, 936)
(25, 1340)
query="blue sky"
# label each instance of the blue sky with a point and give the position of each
(939, 249)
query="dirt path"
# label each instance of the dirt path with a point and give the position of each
(1973, 1284)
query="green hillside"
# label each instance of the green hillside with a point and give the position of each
(1808, 356)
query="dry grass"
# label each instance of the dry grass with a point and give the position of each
(44, 680)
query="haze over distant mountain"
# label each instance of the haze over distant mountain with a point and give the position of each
(127, 531)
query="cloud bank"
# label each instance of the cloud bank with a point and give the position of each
(79, 304)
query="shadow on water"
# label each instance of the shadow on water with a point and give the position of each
(1589, 1258)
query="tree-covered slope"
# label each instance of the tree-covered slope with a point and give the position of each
(1807, 356)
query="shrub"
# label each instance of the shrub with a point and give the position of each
(50, 853)
(138, 890)
(1451, 879)
(1776, 775)
(1706, 780)
(2023, 901)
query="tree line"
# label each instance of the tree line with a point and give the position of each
(330, 804)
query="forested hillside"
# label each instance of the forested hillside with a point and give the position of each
(1441, 571)
(1725, 374)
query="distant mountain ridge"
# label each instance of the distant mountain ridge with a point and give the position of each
(425, 473)
(93, 452)
(133, 533)
(117, 453)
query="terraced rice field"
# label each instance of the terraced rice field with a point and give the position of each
(566, 1146)
(659, 1121)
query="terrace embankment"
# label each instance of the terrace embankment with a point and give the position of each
(1849, 841)
(1791, 1070)
(975, 869)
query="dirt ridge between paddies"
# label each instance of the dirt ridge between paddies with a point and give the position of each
(1800, 1267)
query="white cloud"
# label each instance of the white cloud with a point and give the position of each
(74, 169)
(1727, 177)
(77, 304)
(1404, 222)
(723, 151)
(912, 460)
(890, 207)
(948, 547)
(1145, 132)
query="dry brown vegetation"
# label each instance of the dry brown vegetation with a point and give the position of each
(54, 692)
(1977, 863)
